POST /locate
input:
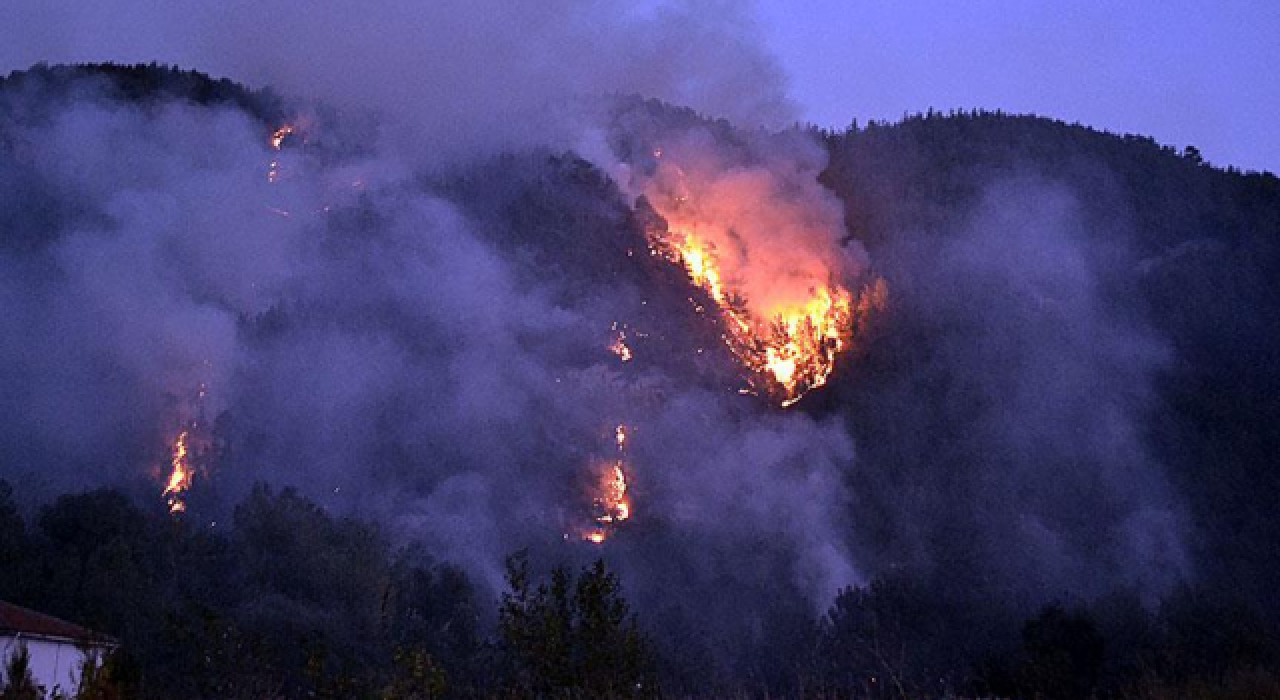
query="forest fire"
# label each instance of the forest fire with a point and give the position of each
(792, 345)
(610, 504)
(180, 476)
(277, 144)
(786, 318)
(187, 449)
(619, 345)
(613, 497)
(279, 135)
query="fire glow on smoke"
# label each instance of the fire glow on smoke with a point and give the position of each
(785, 316)
(772, 269)
(786, 320)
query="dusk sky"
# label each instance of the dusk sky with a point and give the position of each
(1187, 72)
(1183, 71)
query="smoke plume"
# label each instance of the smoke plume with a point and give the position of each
(412, 317)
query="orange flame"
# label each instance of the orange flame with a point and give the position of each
(180, 476)
(187, 448)
(613, 498)
(610, 504)
(786, 320)
(792, 345)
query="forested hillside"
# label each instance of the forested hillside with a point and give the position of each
(1191, 252)
(1043, 465)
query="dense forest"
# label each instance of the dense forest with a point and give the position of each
(1051, 460)
(288, 601)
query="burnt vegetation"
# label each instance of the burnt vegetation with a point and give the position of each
(271, 594)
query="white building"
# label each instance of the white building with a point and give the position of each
(57, 647)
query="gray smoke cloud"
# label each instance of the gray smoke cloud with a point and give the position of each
(1030, 388)
(365, 338)
(457, 79)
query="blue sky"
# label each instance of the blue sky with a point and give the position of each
(1202, 73)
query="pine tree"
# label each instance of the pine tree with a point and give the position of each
(573, 636)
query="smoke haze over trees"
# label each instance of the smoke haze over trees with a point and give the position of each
(1069, 401)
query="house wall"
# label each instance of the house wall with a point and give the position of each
(53, 664)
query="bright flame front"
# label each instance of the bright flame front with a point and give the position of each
(765, 249)
(188, 450)
(789, 346)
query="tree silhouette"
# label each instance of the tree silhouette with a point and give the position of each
(573, 637)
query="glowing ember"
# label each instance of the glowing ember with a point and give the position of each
(613, 498)
(180, 476)
(610, 504)
(277, 143)
(619, 345)
(278, 136)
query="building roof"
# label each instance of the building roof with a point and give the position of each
(17, 621)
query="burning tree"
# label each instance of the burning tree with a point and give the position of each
(764, 247)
